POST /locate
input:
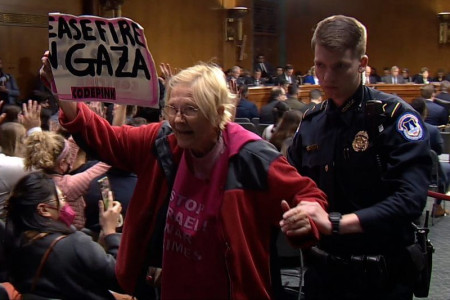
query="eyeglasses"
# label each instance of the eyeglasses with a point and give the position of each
(187, 111)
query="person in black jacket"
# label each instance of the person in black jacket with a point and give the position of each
(46, 256)
(369, 152)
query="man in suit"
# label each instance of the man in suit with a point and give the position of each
(292, 99)
(436, 144)
(444, 94)
(369, 77)
(245, 108)
(288, 75)
(405, 75)
(266, 113)
(256, 79)
(437, 115)
(394, 77)
(315, 97)
(265, 67)
(278, 75)
(9, 91)
(235, 76)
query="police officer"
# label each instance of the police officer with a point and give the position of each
(369, 152)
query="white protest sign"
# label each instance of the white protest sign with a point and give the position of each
(101, 59)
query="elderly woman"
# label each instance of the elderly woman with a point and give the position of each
(221, 185)
(47, 257)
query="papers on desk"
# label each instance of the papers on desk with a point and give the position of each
(444, 157)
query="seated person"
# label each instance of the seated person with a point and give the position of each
(275, 80)
(246, 108)
(292, 98)
(12, 145)
(75, 267)
(285, 130)
(437, 114)
(266, 113)
(311, 78)
(9, 91)
(436, 144)
(405, 75)
(393, 77)
(256, 79)
(444, 91)
(56, 156)
(277, 111)
(423, 76)
(440, 76)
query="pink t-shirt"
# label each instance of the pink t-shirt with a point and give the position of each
(194, 246)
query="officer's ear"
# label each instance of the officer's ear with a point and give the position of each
(363, 62)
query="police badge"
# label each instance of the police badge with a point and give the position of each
(361, 141)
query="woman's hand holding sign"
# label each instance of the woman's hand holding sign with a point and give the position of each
(69, 107)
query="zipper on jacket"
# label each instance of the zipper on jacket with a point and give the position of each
(230, 289)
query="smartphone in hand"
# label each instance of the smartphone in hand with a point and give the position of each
(105, 188)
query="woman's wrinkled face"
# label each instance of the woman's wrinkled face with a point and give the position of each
(190, 126)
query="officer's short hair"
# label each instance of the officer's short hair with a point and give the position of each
(341, 33)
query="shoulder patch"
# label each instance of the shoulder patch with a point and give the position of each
(409, 126)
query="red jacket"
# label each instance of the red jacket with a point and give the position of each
(258, 179)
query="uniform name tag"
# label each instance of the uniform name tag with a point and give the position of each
(313, 147)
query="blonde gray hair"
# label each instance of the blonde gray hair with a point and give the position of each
(209, 91)
(43, 149)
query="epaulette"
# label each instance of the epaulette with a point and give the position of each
(391, 109)
(317, 108)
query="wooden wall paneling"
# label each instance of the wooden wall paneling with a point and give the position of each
(399, 32)
(266, 30)
(182, 33)
(24, 37)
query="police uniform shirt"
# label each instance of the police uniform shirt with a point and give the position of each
(377, 167)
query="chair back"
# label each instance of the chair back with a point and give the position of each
(242, 120)
(446, 137)
(261, 128)
(249, 126)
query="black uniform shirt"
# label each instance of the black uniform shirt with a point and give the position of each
(376, 165)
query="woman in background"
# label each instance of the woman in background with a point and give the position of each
(12, 136)
(48, 258)
(53, 154)
(286, 129)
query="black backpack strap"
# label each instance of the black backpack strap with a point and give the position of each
(164, 155)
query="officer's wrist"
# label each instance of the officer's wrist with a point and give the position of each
(350, 224)
(335, 220)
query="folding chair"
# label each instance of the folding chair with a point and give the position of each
(242, 120)
(249, 126)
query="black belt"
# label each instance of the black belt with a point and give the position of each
(336, 260)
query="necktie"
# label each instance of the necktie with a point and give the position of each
(394, 79)
(263, 67)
